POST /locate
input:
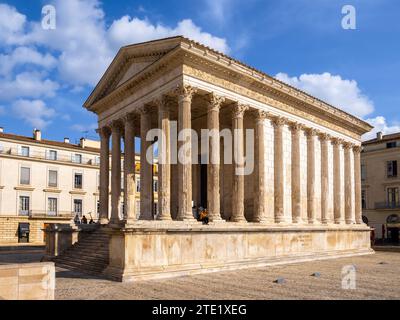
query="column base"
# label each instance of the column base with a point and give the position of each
(165, 217)
(104, 221)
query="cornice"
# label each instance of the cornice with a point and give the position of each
(208, 65)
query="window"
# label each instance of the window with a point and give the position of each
(52, 206)
(138, 185)
(24, 205)
(391, 144)
(51, 155)
(393, 196)
(53, 176)
(364, 199)
(25, 177)
(77, 158)
(97, 160)
(24, 151)
(391, 169)
(78, 181)
(78, 207)
(155, 208)
(98, 207)
(155, 186)
(363, 172)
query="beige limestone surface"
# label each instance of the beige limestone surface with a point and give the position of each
(374, 280)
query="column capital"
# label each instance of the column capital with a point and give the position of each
(104, 132)
(260, 115)
(279, 121)
(214, 101)
(323, 136)
(337, 141)
(143, 110)
(296, 127)
(129, 117)
(348, 145)
(239, 109)
(184, 92)
(357, 149)
(311, 132)
(116, 126)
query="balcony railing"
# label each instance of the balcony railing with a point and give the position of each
(48, 214)
(34, 154)
(387, 205)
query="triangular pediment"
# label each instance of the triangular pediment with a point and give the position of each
(129, 61)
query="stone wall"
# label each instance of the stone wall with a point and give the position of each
(30, 281)
(173, 249)
(9, 228)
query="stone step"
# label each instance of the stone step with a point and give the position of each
(74, 253)
(80, 268)
(82, 263)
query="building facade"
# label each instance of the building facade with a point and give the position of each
(303, 195)
(44, 181)
(380, 176)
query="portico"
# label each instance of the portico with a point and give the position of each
(287, 194)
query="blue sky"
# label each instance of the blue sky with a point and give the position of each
(46, 75)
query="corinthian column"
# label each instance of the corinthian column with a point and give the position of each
(296, 129)
(164, 160)
(115, 171)
(324, 138)
(348, 199)
(337, 182)
(213, 194)
(185, 95)
(238, 152)
(260, 214)
(146, 166)
(357, 184)
(129, 170)
(104, 173)
(311, 133)
(279, 182)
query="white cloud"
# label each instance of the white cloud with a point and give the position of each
(27, 84)
(25, 55)
(127, 30)
(380, 125)
(86, 46)
(34, 112)
(342, 93)
(12, 24)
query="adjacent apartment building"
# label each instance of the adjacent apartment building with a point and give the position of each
(380, 177)
(44, 181)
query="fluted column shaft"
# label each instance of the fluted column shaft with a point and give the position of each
(164, 161)
(129, 171)
(104, 173)
(296, 176)
(260, 213)
(238, 163)
(311, 204)
(213, 167)
(279, 183)
(348, 198)
(146, 167)
(115, 172)
(324, 138)
(337, 182)
(357, 184)
(185, 94)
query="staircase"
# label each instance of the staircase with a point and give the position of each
(88, 255)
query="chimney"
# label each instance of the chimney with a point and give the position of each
(1, 129)
(37, 134)
(66, 140)
(379, 135)
(82, 142)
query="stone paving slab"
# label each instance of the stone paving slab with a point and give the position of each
(377, 277)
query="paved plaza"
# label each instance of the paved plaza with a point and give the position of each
(377, 278)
